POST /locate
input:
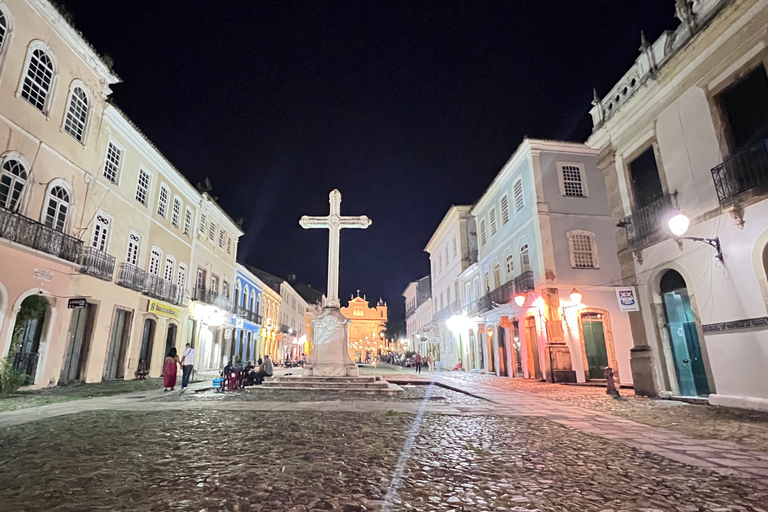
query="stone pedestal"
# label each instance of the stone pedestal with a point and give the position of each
(561, 369)
(643, 374)
(329, 356)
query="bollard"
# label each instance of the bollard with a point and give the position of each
(610, 384)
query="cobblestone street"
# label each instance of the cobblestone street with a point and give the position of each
(498, 450)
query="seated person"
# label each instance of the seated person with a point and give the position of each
(265, 370)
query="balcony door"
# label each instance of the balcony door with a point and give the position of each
(114, 367)
(200, 282)
(646, 183)
(76, 356)
(147, 341)
(745, 108)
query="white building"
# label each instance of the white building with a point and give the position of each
(541, 300)
(418, 314)
(452, 248)
(685, 130)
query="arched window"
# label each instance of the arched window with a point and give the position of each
(245, 296)
(176, 212)
(162, 200)
(497, 275)
(510, 265)
(253, 300)
(170, 262)
(525, 260)
(154, 261)
(57, 208)
(237, 292)
(13, 177)
(38, 78)
(181, 279)
(4, 29)
(77, 112)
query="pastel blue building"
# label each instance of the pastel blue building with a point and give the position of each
(247, 319)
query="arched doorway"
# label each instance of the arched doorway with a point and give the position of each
(516, 342)
(503, 369)
(26, 336)
(532, 347)
(683, 336)
(147, 341)
(170, 337)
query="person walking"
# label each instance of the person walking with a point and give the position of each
(431, 363)
(170, 368)
(417, 362)
(187, 365)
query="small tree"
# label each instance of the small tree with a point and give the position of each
(33, 307)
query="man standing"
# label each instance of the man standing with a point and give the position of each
(187, 364)
(417, 362)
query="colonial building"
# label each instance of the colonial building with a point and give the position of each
(247, 336)
(541, 301)
(684, 132)
(366, 327)
(114, 246)
(418, 314)
(53, 91)
(452, 248)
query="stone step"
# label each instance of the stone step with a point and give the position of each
(327, 379)
(387, 390)
(304, 384)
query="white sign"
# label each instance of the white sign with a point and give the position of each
(43, 275)
(627, 298)
(227, 334)
(238, 323)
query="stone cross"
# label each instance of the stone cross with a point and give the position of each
(334, 223)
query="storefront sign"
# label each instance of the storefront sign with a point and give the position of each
(627, 298)
(76, 303)
(238, 322)
(163, 309)
(736, 325)
(227, 334)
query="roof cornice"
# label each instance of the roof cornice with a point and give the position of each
(455, 213)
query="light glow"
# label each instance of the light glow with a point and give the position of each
(575, 297)
(520, 300)
(678, 224)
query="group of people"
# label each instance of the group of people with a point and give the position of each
(419, 360)
(251, 375)
(171, 365)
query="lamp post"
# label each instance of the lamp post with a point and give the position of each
(678, 225)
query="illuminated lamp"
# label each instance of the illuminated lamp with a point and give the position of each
(520, 299)
(575, 296)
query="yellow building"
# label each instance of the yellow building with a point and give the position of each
(366, 330)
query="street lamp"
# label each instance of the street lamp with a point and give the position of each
(575, 296)
(520, 299)
(678, 225)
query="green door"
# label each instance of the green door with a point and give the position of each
(594, 344)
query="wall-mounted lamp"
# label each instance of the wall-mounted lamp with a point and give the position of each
(575, 297)
(678, 225)
(520, 299)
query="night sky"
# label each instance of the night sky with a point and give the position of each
(406, 107)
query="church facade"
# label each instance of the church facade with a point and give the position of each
(366, 327)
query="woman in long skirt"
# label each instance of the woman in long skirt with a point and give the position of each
(170, 366)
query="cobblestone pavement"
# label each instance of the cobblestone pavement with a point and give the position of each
(749, 428)
(311, 460)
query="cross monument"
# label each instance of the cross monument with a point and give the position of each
(334, 223)
(329, 352)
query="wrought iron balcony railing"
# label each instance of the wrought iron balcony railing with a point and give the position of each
(285, 329)
(247, 314)
(648, 220)
(159, 288)
(478, 306)
(213, 298)
(25, 231)
(97, 263)
(131, 276)
(740, 172)
(524, 282)
(503, 294)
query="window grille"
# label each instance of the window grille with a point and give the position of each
(176, 213)
(134, 242)
(202, 224)
(162, 201)
(37, 79)
(455, 248)
(492, 216)
(100, 233)
(229, 245)
(187, 220)
(181, 278)
(572, 185)
(510, 265)
(169, 263)
(56, 211)
(154, 261)
(77, 112)
(112, 162)
(212, 232)
(3, 28)
(582, 250)
(13, 177)
(482, 232)
(142, 189)
(221, 238)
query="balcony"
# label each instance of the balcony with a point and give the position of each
(524, 282)
(213, 298)
(442, 315)
(409, 311)
(478, 306)
(131, 276)
(247, 314)
(158, 288)
(25, 231)
(741, 172)
(97, 263)
(648, 220)
(285, 329)
(503, 294)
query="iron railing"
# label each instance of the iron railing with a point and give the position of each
(524, 282)
(26, 364)
(741, 172)
(409, 311)
(213, 298)
(442, 315)
(285, 329)
(159, 288)
(97, 263)
(131, 276)
(503, 294)
(25, 231)
(247, 314)
(649, 219)
(478, 306)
